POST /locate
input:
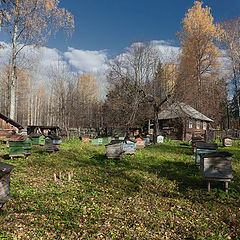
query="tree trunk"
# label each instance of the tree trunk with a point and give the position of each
(156, 123)
(13, 74)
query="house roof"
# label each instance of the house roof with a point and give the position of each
(177, 110)
(11, 121)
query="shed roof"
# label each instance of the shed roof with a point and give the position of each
(11, 121)
(177, 110)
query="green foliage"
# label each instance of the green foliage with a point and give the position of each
(156, 194)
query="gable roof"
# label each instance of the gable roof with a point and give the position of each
(177, 110)
(11, 121)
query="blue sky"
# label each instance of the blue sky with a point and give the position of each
(104, 28)
(113, 25)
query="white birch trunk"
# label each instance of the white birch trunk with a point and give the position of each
(13, 74)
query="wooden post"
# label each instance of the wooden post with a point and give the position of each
(54, 177)
(209, 186)
(60, 175)
(69, 177)
(226, 187)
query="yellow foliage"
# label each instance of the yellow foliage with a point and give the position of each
(35, 19)
(87, 88)
(198, 35)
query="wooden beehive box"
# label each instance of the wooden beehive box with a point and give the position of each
(97, 141)
(20, 146)
(216, 166)
(38, 139)
(85, 139)
(203, 147)
(52, 143)
(227, 142)
(140, 143)
(115, 149)
(5, 170)
(129, 146)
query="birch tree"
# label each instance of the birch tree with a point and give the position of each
(199, 61)
(29, 22)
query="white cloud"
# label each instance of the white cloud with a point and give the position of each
(87, 61)
(168, 52)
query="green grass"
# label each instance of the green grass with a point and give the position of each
(156, 194)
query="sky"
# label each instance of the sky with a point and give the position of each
(104, 28)
(113, 25)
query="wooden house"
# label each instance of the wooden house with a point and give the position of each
(8, 126)
(181, 122)
(46, 130)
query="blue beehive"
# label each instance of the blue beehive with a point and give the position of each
(129, 146)
(147, 141)
(202, 147)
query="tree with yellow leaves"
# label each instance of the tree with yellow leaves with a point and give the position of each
(29, 22)
(199, 60)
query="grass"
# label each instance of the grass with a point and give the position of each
(156, 194)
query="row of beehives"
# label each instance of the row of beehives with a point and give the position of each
(20, 146)
(118, 148)
(214, 166)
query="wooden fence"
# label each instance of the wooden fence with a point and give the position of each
(213, 135)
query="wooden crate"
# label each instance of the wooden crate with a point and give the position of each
(5, 170)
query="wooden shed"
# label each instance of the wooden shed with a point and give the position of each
(46, 130)
(8, 126)
(180, 122)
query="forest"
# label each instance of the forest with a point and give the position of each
(204, 74)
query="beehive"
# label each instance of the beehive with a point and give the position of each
(5, 170)
(217, 165)
(115, 149)
(140, 143)
(19, 146)
(202, 147)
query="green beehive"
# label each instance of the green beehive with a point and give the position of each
(106, 140)
(97, 141)
(38, 139)
(20, 146)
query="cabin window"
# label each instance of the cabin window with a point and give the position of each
(197, 124)
(204, 126)
(190, 123)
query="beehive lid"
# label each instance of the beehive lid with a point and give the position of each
(115, 142)
(5, 168)
(53, 137)
(140, 139)
(18, 138)
(35, 135)
(216, 154)
(204, 145)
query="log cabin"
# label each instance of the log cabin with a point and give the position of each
(182, 122)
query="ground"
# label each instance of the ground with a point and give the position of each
(156, 194)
